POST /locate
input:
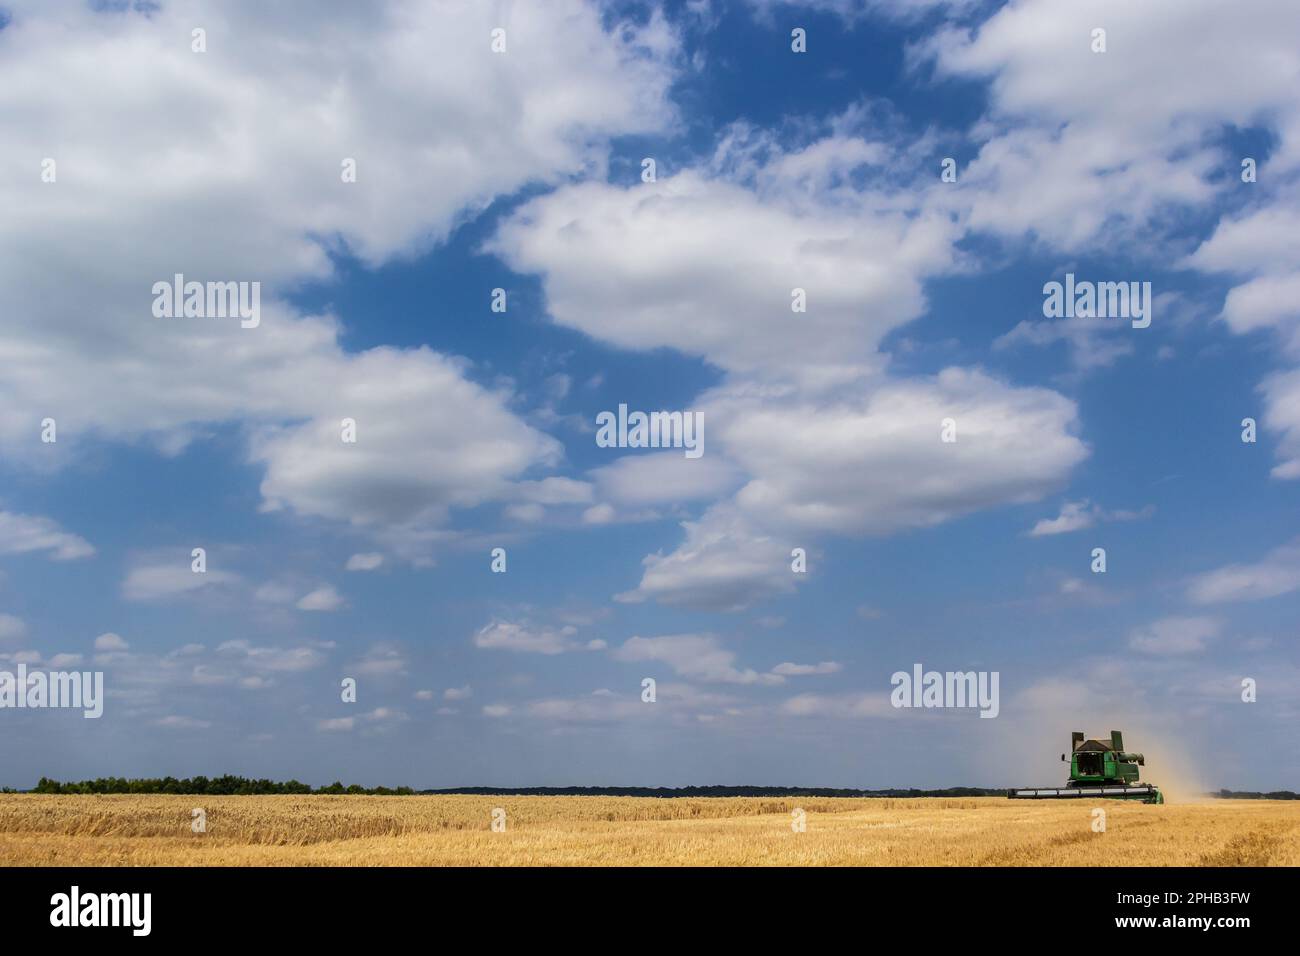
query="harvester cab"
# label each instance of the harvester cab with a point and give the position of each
(1099, 768)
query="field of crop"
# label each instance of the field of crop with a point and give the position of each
(744, 831)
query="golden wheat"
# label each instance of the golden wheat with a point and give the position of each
(743, 831)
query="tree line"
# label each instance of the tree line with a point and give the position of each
(224, 786)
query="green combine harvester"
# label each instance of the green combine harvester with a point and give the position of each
(1099, 769)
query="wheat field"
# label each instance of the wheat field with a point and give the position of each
(563, 831)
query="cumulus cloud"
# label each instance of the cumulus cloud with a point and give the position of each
(698, 657)
(11, 627)
(706, 266)
(877, 464)
(874, 464)
(322, 599)
(1077, 515)
(799, 670)
(277, 659)
(526, 638)
(659, 478)
(1093, 343)
(1175, 635)
(1276, 574)
(1071, 155)
(398, 475)
(274, 592)
(277, 214)
(382, 660)
(368, 561)
(161, 582)
(687, 704)
(335, 724)
(855, 705)
(1252, 250)
(375, 720)
(724, 563)
(807, 425)
(1074, 516)
(28, 534)
(853, 10)
(597, 707)
(111, 642)
(1282, 415)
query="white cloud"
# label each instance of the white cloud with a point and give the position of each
(159, 582)
(698, 657)
(275, 593)
(797, 670)
(1096, 160)
(1093, 343)
(526, 638)
(1282, 415)
(818, 438)
(706, 266)
(595, 708)
(368, 561)
(1099, 163)
(871, 465)
(529, 512)
(839, 705)
(852, 10)
(333, 724)
(289, 659)
(496, 710)
(1175, 635)
(1254, 250)
(376, 720)
(273, 211)
(554, 491)
(876, 463)
(663, 478)
(25, 534)
(687, 704)
(1077, 515)
(602, 513)
(458, 693)
(725, 563)
(322, 599)
(11, 627)
(398, 475)
(111, 642)
(382, 660)
(1277, 574)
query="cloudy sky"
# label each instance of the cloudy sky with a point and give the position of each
(128, 156)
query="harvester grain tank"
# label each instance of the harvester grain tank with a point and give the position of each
(1098, 769)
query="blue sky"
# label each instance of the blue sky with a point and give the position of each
(521, 170)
